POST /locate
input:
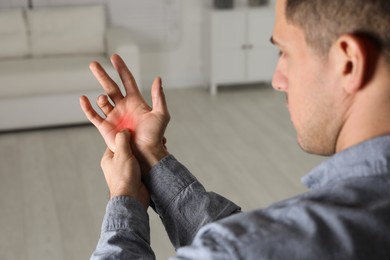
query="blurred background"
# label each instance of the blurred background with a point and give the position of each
(228, 126)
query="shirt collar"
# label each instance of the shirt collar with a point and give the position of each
(369, 158)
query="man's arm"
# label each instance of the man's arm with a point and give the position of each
(125, 230)
(182, 202)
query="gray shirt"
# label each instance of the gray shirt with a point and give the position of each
(345, 215)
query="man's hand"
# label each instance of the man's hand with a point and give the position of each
(130, 112)
(122, 171)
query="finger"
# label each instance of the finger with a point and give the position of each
(122, 143)
(125, 75)
(104, 104)
(89, 112)
(109, 86)
(158, 97)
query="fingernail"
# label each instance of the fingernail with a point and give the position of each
(124, 132)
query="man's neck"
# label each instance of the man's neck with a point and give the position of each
(369, 114)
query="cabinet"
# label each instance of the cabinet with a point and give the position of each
(238, 46)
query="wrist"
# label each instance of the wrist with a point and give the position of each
(150, 157)
(120, 193)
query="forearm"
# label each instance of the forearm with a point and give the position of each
(182, 202)
(125, 231)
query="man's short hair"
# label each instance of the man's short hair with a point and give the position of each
(323, 21)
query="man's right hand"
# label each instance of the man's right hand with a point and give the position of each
(130, 112)
(122, 171)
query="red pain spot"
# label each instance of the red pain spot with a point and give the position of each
(125, 123)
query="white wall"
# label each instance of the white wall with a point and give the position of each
(180, 65)
(170, 39)
(173, 51)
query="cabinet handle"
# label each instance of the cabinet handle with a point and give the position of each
(250, 46)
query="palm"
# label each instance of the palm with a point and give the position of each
(129, 112)
(137, 117)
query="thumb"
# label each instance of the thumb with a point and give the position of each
(122, 142)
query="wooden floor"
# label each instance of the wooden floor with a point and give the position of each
(53, 194)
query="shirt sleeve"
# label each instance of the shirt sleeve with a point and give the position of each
(125, 231)
(343, 221)
(182, 202)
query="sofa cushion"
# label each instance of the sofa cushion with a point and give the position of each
(13, 34)
(50, 75)
(67, 30)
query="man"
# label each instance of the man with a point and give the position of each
(333, 67)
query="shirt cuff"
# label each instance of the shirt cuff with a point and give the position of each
(166, 180)
(126, 213)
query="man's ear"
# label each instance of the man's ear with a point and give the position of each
(351, 55)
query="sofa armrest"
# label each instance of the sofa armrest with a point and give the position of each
(119, 41)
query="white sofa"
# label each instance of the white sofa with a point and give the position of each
(44, 58)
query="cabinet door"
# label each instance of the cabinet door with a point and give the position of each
(262, 56)
(228, 37)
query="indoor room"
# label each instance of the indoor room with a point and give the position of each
(228, 126)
